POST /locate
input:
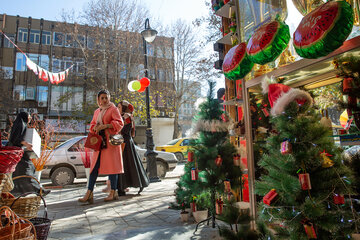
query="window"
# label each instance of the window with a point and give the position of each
(69, 41)
(7, 72)
(59, 39)
(150, 50)
(90, 42)
(20, 62)
(151, 73)
(19, 92)
(161, 75)
(122, 68)
(34, 57)
(80, 41)
(34, 36)
(30, 93)
(7, 43)
(90, 97)
(56, 65)
(79, 67)
(168, 53)
(42, 96)
(46, 38)
(22, 35)
(170, 76)
(44, 61)
(78, 146)
(159, 52)
(185, 142)
(65, 98)
(67, 62)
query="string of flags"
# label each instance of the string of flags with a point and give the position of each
(43, 74)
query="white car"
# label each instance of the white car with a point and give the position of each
(65, 162)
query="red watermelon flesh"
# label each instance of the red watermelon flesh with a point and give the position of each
(234, 57)
(262, 37)
(314, 25)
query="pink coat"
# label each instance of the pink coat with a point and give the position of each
(111, 157)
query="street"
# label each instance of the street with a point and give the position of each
(144, 216)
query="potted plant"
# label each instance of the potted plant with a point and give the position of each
(203, 203)
(184, 214)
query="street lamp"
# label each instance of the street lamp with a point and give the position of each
(149, 36)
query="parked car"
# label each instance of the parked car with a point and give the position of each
(177, 146)
(65, 162)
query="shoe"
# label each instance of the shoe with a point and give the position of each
(89, 197)
(140, 190)
(107, 188)
(112, 196)
(121, 193)
(45, 192)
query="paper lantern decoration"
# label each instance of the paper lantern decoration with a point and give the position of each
(339, 199)
(286, 147)
(227, 186)
(236, 159)
(269, 197)
(131, 89)
(219, 206)
(237, 63)
(218, 161)
(194, 174)
(309, 229)
(305, 181)
(324, 29)
(268, 42)
(190, 156)
(145, 82)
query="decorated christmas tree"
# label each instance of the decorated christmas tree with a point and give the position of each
(211, 157)
(306, 183)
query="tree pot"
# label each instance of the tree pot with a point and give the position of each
(355, 236)
(184, 216)
(200, 215)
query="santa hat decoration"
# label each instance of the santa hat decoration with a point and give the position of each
(281, 95)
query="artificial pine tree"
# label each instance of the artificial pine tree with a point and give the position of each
(305, 182)
(213, 155)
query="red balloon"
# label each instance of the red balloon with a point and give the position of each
(144, 82)
(142, 89)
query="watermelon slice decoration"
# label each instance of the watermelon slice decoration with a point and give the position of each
(324, 29)
(268, 42)
(237, 63)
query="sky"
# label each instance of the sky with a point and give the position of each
(166, 10)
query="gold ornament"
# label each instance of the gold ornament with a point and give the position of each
(261, 69)
(327, 162)
(306, 6)
(355, 4)
(286, 58)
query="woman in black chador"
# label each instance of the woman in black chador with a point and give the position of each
(25, 166)
(134, 172)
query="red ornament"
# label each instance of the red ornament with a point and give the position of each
(194, 174)
(145, 82)
(245, 189)
(309, 229)
(218, 161)
(190, 156)
(347, 84)
(236, 159)
(339, 199)
(266, 112)
(305, 183)
(219, 206)
(227, 186)
(193, 206)
(269, 197)
(286, 147)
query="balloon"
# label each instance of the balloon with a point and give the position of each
(324, 29)
(136, 85)
(237, 63)
(268, 42)
(306, 6)
(144, 82)
(142, 89)
(130, 86)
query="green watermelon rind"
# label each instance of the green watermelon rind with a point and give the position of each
(325, 45)
(272, 51)
(241, 69)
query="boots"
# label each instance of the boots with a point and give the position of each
(89, 197)
(112, 196)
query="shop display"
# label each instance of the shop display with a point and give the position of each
(237, 63)
(324, 29)
(268, 42)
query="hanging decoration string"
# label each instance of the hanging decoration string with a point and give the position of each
(54, 78)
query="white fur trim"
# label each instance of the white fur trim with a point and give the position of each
(265, 85)
(286, 98)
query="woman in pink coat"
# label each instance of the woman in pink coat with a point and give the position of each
(108, 161)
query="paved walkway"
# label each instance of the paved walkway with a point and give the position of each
(144, 216)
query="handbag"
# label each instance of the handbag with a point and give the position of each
(116, 139)
(93, 141)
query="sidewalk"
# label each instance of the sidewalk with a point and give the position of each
(144, 216)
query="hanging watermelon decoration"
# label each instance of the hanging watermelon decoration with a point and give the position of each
(324, 29)
(268, 42)
(237, 63)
